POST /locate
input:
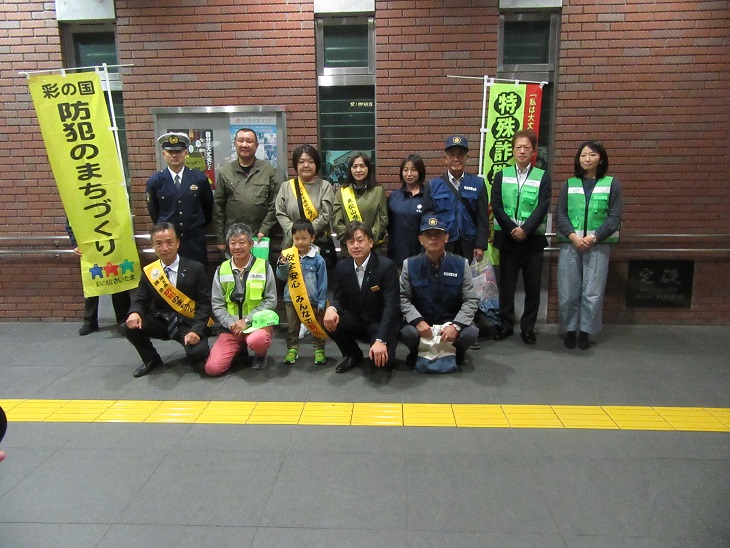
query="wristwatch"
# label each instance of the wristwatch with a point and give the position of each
(457, 327)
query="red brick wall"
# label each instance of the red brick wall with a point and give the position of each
(648, 79)
(216, 54)
(418, 45)
(29, 202)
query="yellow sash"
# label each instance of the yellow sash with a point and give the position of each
(177, 300)
(310, 212)
(350, 204)
(299, 296)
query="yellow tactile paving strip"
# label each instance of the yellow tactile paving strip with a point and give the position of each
(593, 417)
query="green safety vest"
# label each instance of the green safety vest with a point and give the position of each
(586, 220)
(255, 285)
(519, 204)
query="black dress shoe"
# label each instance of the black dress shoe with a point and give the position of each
(411, 359)
(570, 340)
(88, 328)
(501, 334)
(146, 368)
(348, 363)
(583, 342)
(528, 337)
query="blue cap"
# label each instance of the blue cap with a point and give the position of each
(457, 141)
(432, 222)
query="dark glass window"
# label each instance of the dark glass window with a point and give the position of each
(95, 48)
(347, 126)
(345, 45)
(526, 42)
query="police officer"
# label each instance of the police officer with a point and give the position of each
(181, 196)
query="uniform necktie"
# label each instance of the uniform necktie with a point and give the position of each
(177, 182)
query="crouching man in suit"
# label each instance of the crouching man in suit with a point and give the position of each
(365, 305)
(172, 302)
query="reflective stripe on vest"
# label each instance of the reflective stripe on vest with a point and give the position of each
(520, 203)
(255, 285)
(586, 220)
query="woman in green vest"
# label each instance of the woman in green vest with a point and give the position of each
(588, 218)
(360, 198)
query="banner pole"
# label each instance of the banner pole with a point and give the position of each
(104, 69)
(483, 130)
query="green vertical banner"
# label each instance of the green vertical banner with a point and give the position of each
(511, 107)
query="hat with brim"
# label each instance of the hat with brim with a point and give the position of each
(457, 141)
(174, 141)
(431, 222)
(262, 318)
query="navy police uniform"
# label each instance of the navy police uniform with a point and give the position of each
(190, 208)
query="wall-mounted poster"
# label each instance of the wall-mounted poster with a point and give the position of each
(212, 129)
(265, 128)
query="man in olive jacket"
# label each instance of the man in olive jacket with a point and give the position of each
(245, 191)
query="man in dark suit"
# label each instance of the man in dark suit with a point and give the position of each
(172, 302)
(181, 196)
(520, 202)
(365, 305)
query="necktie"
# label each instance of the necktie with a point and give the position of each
(360, 273)
(168, 271)
(177, 182)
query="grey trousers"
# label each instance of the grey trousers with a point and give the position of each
(581, 285)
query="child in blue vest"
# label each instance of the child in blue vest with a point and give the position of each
(314, 272)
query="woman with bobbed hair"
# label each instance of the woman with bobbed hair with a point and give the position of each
(361, 198)
(405, 209)
(306, 196)
(588, 218)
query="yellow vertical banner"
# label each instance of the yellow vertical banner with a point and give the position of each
(76, 128)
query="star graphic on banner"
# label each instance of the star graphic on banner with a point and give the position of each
(111, 269)
(96, 271)
(127, 265)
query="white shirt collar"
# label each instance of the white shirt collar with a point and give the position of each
(172, 173)
(522, 174)
(364, 263)
(454, 181)
(234, 267)
(311, 253)
(175, 264)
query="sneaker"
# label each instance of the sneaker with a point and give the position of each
(303, 331)
(319, 357)
(259, 362)
(291, 355)
(476, 346)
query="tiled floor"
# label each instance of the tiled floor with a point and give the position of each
(112, 484)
